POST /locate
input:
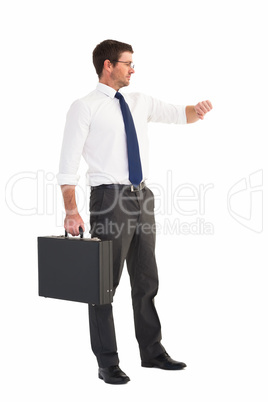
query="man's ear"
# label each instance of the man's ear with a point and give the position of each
(107, 65)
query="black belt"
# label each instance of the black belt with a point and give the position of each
(132, 188)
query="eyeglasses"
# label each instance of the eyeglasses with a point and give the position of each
(129, 63)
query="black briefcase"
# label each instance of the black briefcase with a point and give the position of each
(76, 269)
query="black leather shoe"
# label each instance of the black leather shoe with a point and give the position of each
(164, 362)
(113, 375)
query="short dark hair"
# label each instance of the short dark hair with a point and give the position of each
(108, 50)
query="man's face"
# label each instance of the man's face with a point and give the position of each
(122, 70)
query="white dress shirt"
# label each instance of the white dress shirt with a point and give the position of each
(95, 129)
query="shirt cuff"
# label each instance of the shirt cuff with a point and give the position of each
(70, 179)
(183, 117)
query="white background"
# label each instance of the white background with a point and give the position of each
(213, 288)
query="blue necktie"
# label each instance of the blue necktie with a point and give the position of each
(134, 161)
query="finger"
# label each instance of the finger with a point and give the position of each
(200, 116)
(209, 104)
(77, 232)
(203, 107)
(72, 231)
(206, 106)
(198, 110)
(72, 228)
(200, 113)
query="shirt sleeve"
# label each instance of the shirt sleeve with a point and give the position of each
(162, 112)
(75, 134)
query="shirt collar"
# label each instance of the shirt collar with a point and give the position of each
(109, 91)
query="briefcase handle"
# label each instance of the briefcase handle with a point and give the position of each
(80, 232)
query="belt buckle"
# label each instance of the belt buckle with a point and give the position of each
(133, 189)
(138, 188)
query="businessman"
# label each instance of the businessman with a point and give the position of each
(110, 131)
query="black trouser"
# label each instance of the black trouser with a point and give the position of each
(127, 218)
